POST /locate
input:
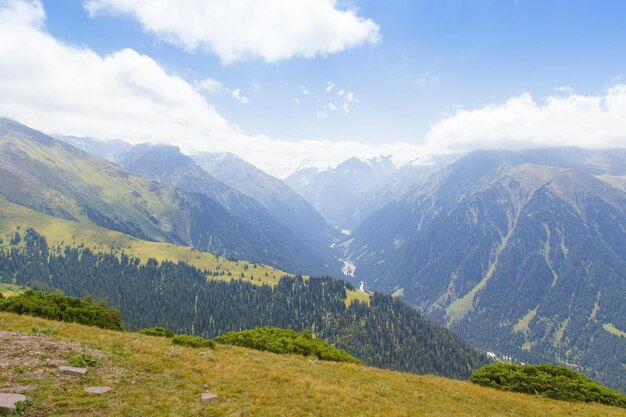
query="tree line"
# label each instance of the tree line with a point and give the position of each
(386, 333)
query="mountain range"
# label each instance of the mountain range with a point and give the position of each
(347, 194)
(73, 222)
(522, 253)
(284, 217)
(55, 178)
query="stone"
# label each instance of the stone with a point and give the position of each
(208, 396)
(20, 389)
(97, 390)
(72, 370)
(8, 401)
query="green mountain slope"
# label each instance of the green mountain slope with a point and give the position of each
(522, 259)
(385, 332)
(284, 204)
(55, 178)
(60, 233)
(167, 165)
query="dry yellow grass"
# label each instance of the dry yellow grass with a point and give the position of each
(152, 378)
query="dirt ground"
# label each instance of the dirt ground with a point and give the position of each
(35, 358)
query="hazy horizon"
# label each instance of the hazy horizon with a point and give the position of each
(314, 83)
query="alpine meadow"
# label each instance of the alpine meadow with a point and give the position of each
(312, 208)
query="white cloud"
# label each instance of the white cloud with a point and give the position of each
(59, 88)
(68, 89)
(237, 94)
(523, 122)
(237, 30)
(347, 97)
(329, 86)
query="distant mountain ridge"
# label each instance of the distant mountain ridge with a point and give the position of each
(520, 252)
(347, 194)
(56, 178)
(167, 165)
(111, 150)
(285, 205)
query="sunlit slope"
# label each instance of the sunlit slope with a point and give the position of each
(149, 376)
(52, 177)
(60, 233)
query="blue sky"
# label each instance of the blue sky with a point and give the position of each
(436, 70)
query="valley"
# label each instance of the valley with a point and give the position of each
(312, 208)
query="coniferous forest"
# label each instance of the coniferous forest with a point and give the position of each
(386, 333)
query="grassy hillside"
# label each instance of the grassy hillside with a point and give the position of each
(149, 376)
(52, 177)
(61, 233)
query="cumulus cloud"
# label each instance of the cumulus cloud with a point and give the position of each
(523, 122)
(237, 30)
(66, 89)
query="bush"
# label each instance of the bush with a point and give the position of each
(193, 341)
(286, 342)
(158, 331)
(59, 307)
(556, 382)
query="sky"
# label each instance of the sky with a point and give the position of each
(291, 83)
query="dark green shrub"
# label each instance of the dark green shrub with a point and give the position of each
(556, 382)
(59, 307)
(193, 341)
(157, 331)
(287, 342)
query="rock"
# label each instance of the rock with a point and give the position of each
(20, 390)
(205, 386)
(97, 390)
(208, 397)
(72, 370)
(8, 401)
